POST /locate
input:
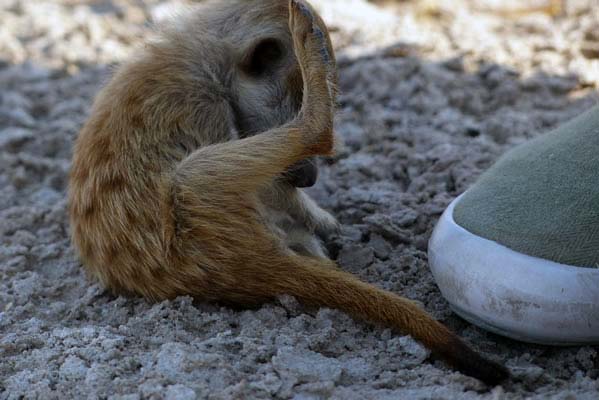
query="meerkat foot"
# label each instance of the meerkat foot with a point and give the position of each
(317, 220)
(324, 224)
(311, 49)
(310, 43)
(305, 243)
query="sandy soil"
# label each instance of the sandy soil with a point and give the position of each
(431, 96)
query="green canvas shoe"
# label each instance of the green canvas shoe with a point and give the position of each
(518, 253)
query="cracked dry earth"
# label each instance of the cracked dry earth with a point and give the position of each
(431, 96)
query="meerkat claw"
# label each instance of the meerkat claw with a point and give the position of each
(304, 9)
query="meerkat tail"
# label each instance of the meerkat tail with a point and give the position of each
(315, 282)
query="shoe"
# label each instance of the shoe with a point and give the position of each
(518, 253)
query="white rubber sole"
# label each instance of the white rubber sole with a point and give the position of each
(512, 294)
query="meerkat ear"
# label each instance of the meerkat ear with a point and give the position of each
(264, 56)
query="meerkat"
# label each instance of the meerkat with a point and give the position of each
(185, 177)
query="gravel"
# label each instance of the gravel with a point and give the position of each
(432, 93)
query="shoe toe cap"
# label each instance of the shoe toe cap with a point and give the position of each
(513, 294)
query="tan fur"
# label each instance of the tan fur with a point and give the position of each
(176, 185)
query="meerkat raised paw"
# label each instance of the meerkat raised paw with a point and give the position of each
(192, 148)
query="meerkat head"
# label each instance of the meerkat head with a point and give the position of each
(246, 46)
(267, 84)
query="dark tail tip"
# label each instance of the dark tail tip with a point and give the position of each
(470, 363)
(489, 372)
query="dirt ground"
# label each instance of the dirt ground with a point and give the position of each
(432, 93)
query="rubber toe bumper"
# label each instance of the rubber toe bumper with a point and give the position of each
(512, 294)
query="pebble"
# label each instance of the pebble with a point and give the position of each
(355, 258)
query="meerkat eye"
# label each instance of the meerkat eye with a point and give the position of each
(264, 57)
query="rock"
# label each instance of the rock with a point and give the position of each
(386, 227)
(180, 392)
(355, 258)
(172, 360)
(353, 135)
(590, 50)
(306, 366)
(381, 247)
(73, 369)
(16, 118)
